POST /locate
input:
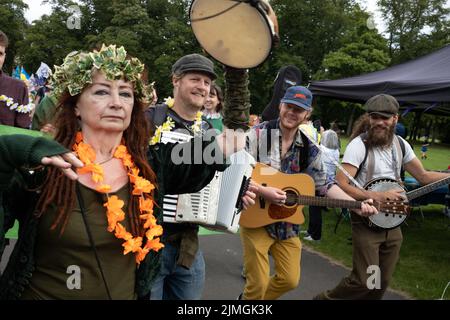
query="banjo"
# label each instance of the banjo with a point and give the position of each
(388, 220)
(391, 220)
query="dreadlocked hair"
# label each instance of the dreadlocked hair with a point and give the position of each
(59, 190)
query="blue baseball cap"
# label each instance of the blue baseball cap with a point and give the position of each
(299, 96)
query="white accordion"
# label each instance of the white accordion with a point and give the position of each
(218, 205)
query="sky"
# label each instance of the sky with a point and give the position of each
(36, 9)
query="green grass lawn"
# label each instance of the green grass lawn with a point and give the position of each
(438, 154)
(423, 270)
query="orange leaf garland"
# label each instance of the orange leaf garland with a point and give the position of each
(146, 205)
(150, 220)
(85, 153)
(134, 174)
(122, 153)
(104, 188)
(156, 231)
(95, 169)
(142, 185)
(122, 233)
(114, 213)
(78, 138)
(154, 244)
(132, 245)
(140, 254)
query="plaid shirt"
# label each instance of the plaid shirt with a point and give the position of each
(289, 164)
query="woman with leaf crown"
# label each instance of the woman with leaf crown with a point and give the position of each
(88, 203)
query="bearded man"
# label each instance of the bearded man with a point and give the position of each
(372, 246)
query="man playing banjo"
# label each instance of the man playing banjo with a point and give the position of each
(375, 246)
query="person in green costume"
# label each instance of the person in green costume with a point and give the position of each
(88, 203)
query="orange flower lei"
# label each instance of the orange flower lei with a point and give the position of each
(114, 212)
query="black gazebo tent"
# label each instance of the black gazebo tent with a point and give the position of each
(420, 84)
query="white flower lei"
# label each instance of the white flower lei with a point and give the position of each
(15, 106)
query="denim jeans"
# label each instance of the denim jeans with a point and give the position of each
(175, 282)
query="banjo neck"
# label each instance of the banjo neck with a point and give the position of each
(427, 189)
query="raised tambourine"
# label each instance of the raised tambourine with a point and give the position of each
(237, 33)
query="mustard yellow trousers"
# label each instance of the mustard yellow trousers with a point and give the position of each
(260, 285)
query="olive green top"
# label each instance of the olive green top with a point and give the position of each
(19, 193)
(57, 270)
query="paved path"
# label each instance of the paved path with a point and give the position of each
(223, 258)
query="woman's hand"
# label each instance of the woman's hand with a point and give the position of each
(367, 209)
(65, 163)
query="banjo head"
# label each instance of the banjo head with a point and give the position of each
(234, 33)
(386, 220)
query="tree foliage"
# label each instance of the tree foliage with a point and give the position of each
(415, 27)
(13, 24)
(325, 39)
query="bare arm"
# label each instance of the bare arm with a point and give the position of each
(416, 169)
(360, 194)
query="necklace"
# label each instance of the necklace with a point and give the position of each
(105, 161)
(170, 124)
(141, 188)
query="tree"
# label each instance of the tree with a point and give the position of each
(415, 27)
(366, 51)
(49, 40)
(313, 28)
(170, 39)
(13, 24)
(309, 30)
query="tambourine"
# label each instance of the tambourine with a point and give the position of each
(237, 33)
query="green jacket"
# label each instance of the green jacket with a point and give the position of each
(20, 153)
(45, 112)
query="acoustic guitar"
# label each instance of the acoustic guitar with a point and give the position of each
(300, 191)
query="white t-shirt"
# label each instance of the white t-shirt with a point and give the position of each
(383, 166)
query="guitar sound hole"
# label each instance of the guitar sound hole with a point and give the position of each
(291, 198)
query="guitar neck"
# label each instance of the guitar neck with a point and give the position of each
(427, 189)
(327, 202)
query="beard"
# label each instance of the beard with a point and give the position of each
(380, 138)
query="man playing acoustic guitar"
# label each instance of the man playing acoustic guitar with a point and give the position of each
(375, 246)
(290, 152)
